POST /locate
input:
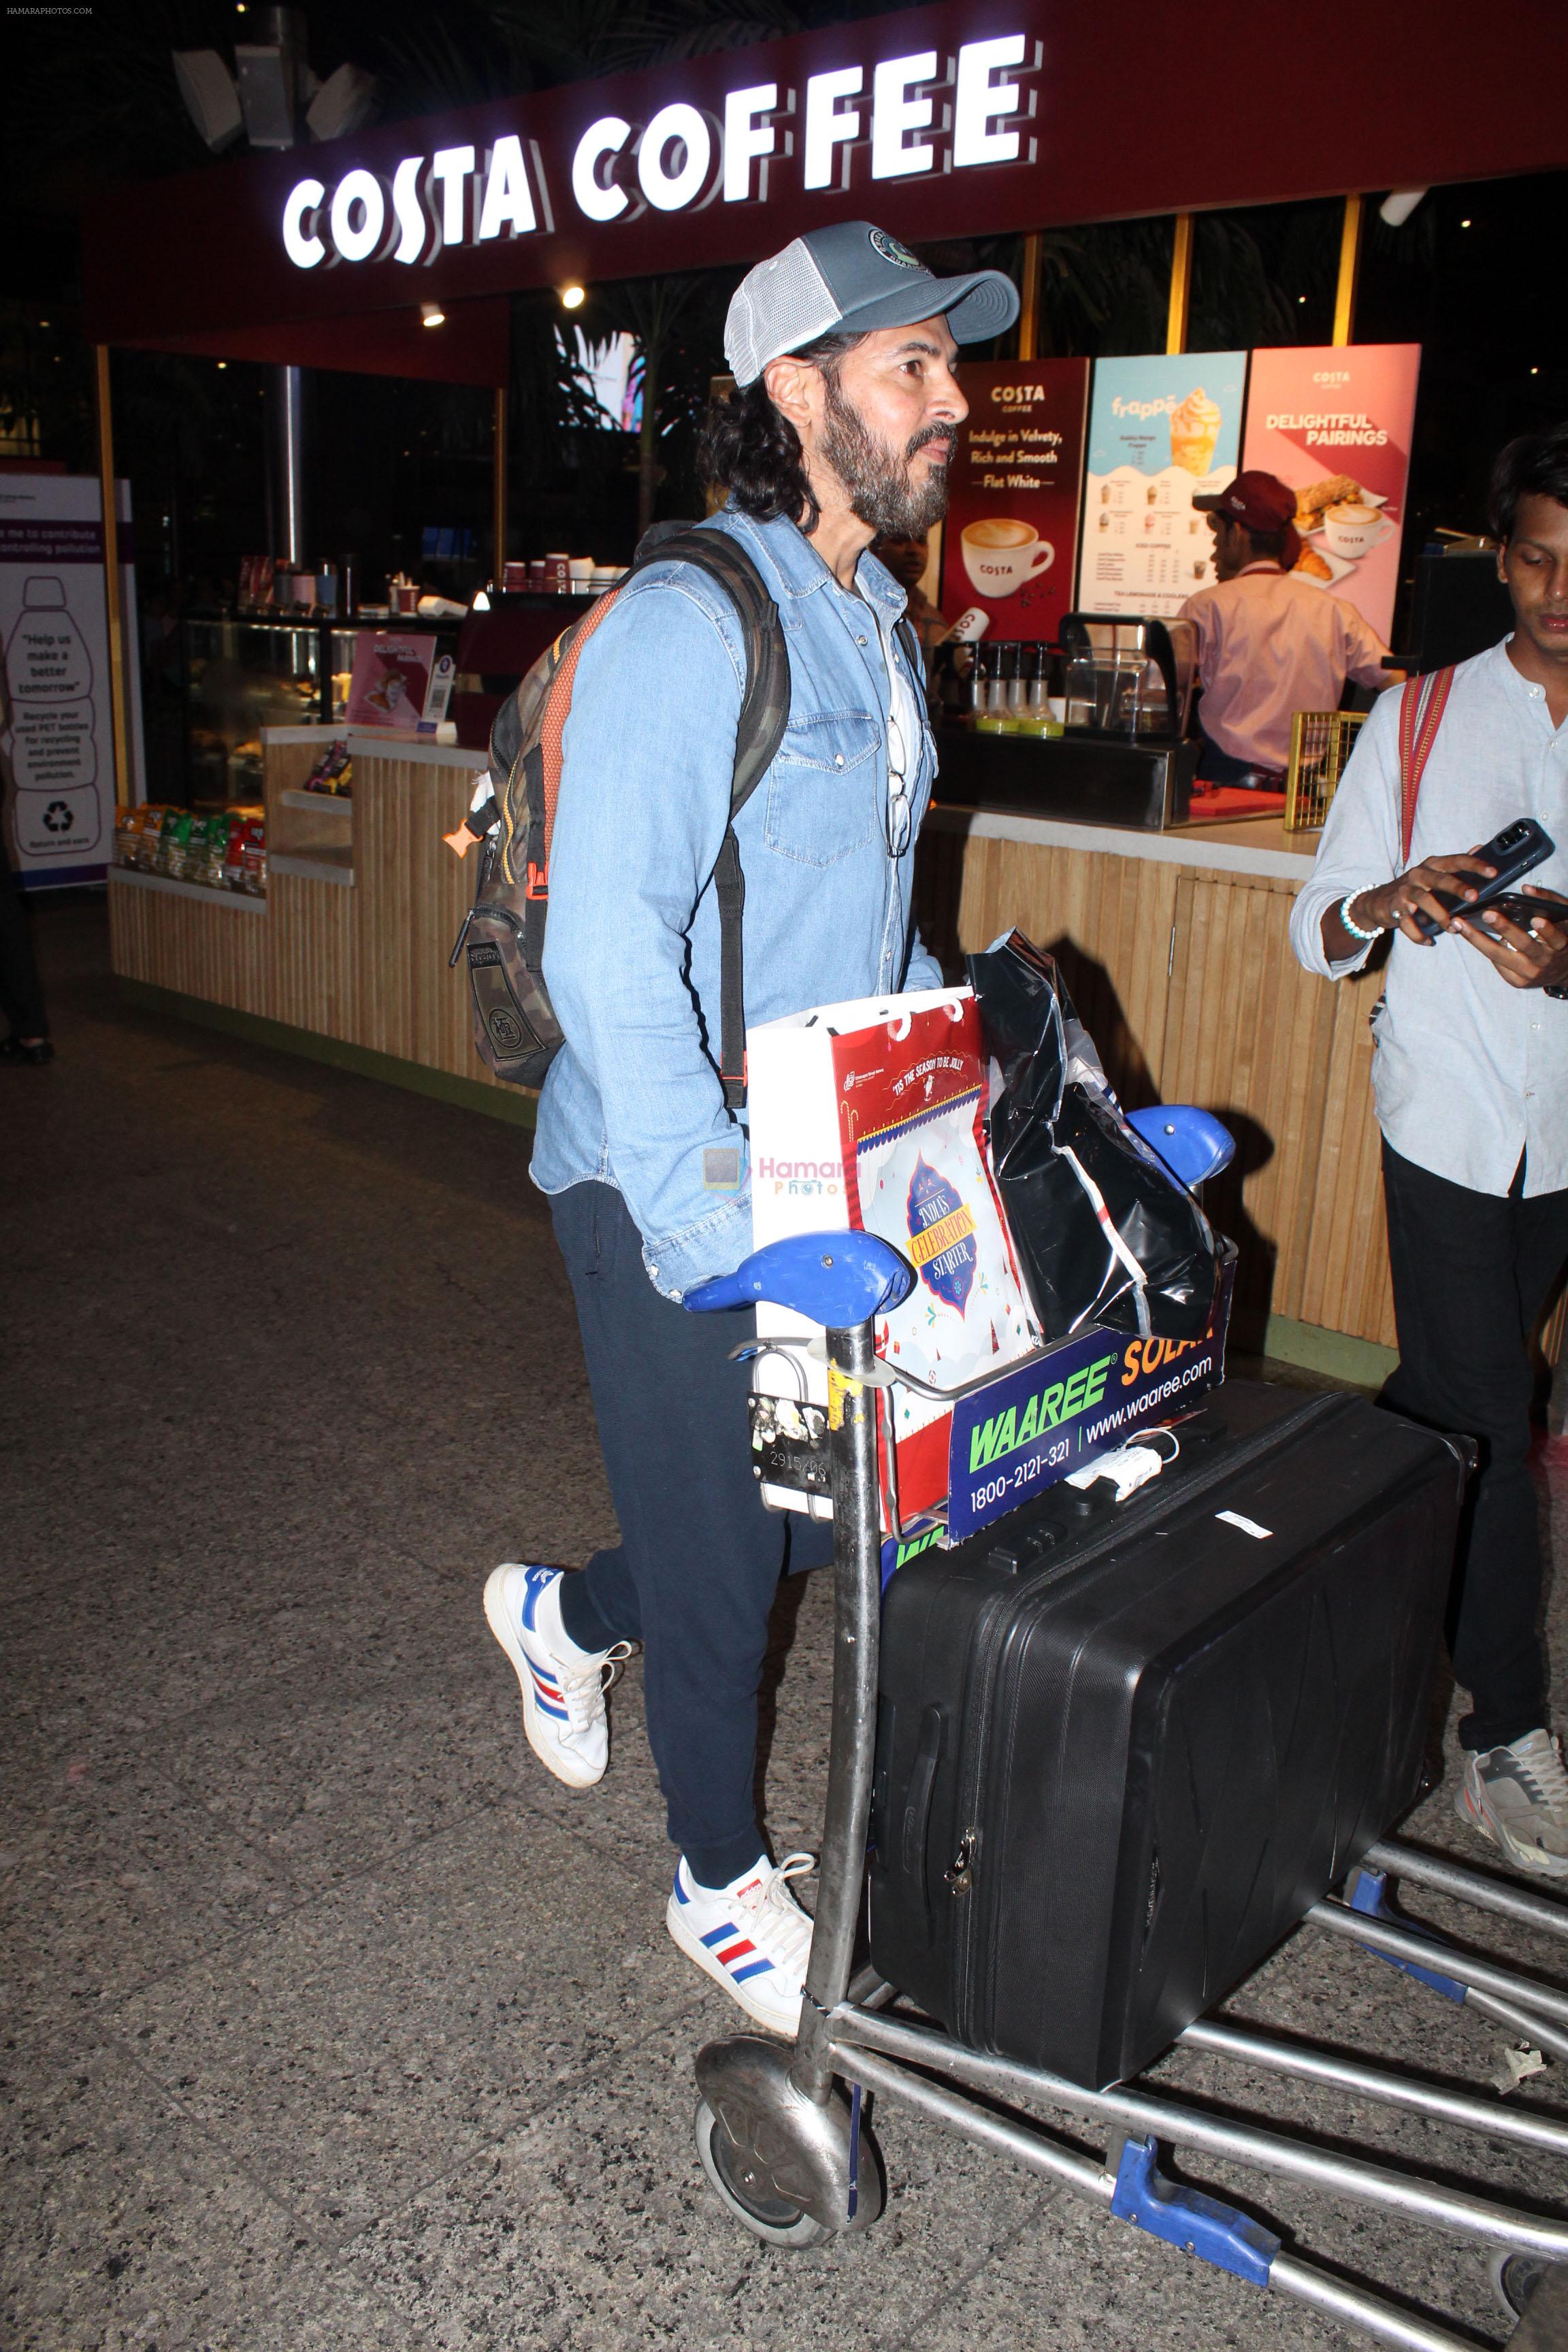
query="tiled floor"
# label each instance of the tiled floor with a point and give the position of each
(331, 2023)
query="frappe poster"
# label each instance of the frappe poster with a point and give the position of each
(1161, 431)
(1011, 512)
(1335, 425)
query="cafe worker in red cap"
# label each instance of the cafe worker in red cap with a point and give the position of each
(1271, 640)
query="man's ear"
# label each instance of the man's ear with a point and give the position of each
(1502, 563)
(794, 387)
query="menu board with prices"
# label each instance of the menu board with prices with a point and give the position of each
(1334, 424)
(1013, 505)
(1162, 430)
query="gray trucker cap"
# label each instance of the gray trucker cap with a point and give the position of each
(853, 278)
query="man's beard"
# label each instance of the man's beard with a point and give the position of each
(883, 490)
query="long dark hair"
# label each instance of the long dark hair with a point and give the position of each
(1535, 465)
(750, 449)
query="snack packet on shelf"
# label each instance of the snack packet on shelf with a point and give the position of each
(232, 871)
(173, 844)
(127, 831)
(253, 859)
(147, 838)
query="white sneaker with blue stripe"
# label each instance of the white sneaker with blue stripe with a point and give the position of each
(562, 1686)
(752, 1937)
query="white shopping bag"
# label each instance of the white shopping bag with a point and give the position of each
(868, 1114)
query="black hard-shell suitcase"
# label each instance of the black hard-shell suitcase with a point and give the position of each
(1121, 1748)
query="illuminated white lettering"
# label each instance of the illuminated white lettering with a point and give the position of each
(977, 99)
(361, 192)
(509, 202)
(409, 211)
(601, 200)
(302, 249)
(894, 112)
(671, 192)
(745, 137)
(827, 127)
(449, 168)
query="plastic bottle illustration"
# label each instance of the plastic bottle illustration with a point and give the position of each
(54, 756)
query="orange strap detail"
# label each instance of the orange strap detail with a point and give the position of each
(557, 706)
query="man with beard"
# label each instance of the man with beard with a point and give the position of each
(841, 426)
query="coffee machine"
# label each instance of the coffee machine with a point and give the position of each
(1128, 683)
(1129, 677)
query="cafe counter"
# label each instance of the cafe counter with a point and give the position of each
(345, 956)
(1174, 943)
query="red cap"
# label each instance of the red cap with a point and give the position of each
(1257, 501)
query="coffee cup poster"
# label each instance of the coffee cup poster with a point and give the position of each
(1161, 431)
(1011, 515)
(1335, 425)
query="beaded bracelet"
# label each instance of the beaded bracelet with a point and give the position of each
(1354, 929)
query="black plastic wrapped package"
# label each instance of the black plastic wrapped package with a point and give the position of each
(1103, 1232)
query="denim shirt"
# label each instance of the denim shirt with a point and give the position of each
(631, 957)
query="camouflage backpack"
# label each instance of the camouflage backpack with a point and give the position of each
(515, 1027)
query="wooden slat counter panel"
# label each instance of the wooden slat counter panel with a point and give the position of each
(1108, 918)
(315, 969)
(411, 895)
(1184, 977)
(217, 951)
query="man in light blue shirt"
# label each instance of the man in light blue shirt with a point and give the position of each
(1471, 1078)
(842, 427)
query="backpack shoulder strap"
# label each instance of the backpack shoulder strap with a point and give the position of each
(759, 730)
(1422, 703)
(764, 702)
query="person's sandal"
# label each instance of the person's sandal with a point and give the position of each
(38, 1050)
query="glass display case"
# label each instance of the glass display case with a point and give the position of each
(241, 675)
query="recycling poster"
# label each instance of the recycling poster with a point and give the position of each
(1012, 510)
(1334, 423)
(1162, 430)
(57, 743)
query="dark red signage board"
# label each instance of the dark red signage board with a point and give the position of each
(1011, 533)
(968, 118)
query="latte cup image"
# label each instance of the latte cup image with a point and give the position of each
(1350, 529)
(1000, 554)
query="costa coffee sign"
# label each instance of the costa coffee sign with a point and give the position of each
(920, 114)
(959, 119)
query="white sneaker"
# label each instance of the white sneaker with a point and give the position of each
(751, 1936)
(562, 1686)
(1518, 1796)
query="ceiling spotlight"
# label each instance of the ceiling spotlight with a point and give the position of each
(572, 298)
(222, 364)
(1398, 204)
(1464, 224)
(432, 315)
(1535, 371)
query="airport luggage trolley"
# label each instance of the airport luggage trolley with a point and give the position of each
(779, 2126)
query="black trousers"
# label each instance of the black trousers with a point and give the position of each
(1471, 1273)
(694, 1575)
(21, 998)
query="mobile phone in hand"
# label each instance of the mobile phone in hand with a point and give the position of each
(1514, 851)
(1518, 908)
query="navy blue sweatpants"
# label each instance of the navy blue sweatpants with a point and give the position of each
(695, 1572)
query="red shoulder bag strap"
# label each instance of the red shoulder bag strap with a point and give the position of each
(1422, 704)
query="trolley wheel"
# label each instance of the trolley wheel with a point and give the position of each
(1515, 2278)
(770, 2218)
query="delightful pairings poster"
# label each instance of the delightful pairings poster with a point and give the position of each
(1334, 424)
(1011, 515)
(1161, 431)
